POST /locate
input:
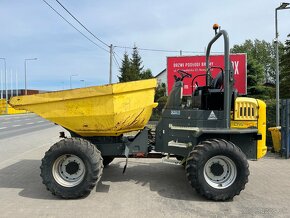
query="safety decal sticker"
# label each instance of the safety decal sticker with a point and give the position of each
(212, 116)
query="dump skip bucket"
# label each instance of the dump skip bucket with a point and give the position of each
(108, 110)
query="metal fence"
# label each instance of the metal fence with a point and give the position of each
(285, 113)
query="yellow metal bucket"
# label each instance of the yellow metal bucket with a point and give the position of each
(108, 110)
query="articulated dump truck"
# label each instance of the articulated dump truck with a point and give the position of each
(212, 137)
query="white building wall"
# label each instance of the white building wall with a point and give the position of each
(162, 77)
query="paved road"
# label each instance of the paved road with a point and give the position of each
(14, 125)
(22, 133)
(149, 188)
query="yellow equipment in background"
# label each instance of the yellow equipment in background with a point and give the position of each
(107, 110)
(10, 110)
(249, 113)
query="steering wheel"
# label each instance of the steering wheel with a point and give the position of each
(183, 75)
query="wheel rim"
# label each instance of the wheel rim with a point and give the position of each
(220, 172)
(68, 170)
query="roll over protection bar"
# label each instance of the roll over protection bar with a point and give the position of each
(228, 75)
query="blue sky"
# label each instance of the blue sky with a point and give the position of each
(31, 29)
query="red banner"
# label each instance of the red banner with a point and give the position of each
(195, 65)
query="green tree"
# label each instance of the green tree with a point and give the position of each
(160, 91)
(126, 73)
(132, 68)
(285, 71)
(261, 69)
(260, 66)
(136, 62)
(264, 53)
(146, 74)
(161, 98)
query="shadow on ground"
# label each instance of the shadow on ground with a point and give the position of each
(167, 180)
(25, 175)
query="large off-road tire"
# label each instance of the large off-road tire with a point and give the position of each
(217, 169)
(107, 160)
(71, 168)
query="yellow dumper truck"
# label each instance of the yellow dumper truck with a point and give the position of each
(213, 137)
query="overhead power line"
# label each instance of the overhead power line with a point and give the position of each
(74, 26)
(112, 53)
(118, 46)
(147, 49)
(106, 44)
(82, 24)
(118, 56)
(115, 59)
(162, 50)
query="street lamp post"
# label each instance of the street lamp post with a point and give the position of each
(82, 80)
(276, 41)
(1, 83)
(70, 80)
(25, 80)
(5, 81)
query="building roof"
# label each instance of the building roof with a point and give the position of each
(163, 71)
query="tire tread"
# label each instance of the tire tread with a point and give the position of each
(93, 175)
(194, 165)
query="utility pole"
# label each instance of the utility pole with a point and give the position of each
(111, 63)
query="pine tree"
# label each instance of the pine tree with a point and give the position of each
(136, 62)
(125, 69)
(132, 68)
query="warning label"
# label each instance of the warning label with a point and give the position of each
(212, 116)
